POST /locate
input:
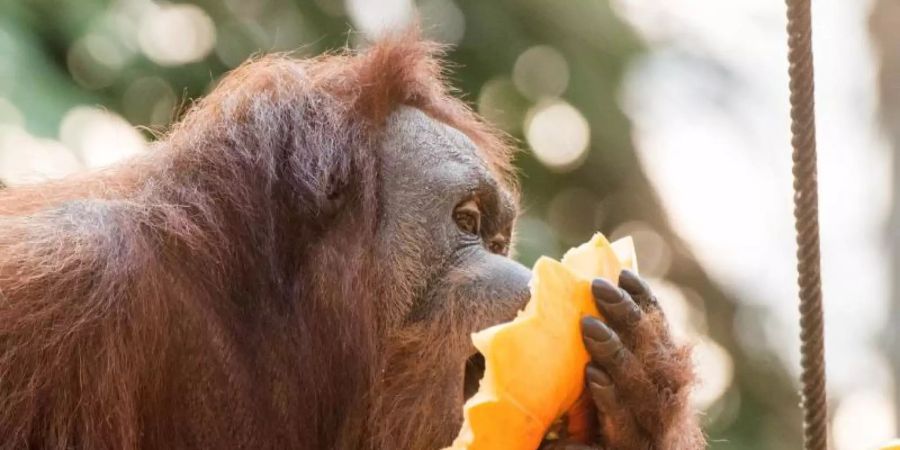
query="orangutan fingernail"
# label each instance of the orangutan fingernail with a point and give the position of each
(595, 329)
(631, 282)
(604, 290)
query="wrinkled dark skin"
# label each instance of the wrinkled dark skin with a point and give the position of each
(444, 237)
(447, 229)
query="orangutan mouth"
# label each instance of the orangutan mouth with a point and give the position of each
(473, 374)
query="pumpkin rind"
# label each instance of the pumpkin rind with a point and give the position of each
(534, 364)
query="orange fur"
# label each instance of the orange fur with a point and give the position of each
(128, 316)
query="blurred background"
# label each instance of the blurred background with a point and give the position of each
(665, 120)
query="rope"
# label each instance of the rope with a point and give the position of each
(803, 129)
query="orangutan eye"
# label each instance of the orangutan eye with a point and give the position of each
(468, 217)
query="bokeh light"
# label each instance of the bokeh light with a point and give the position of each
(501, 104)
(715, 371)
(653, 251)
(442, 21)
(375, 17)
(150, 101)
(175, 34)
(863, 420)
(99, 138)
(26, 159)
(96, 60)
(541, 71)
(678, 311)
(558, 134)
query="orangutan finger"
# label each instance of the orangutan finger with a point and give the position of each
(633, 384)
(608, 352)
(617, 307)
(617, 424)
(650, 336)
(602, 390)
(638, 289)
(602, 343)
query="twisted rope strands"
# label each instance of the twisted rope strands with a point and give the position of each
(803, 129)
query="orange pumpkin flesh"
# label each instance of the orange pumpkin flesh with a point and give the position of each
(534, 364)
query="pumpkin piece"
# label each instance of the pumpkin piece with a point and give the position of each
(534, 364)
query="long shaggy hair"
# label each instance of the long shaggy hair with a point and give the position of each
(220, 290)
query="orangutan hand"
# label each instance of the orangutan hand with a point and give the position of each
(638, 378)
